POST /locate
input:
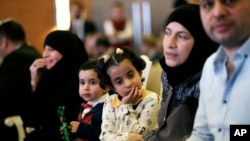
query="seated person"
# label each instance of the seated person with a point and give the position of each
(132, 109)
(93, 90)
(96, 45)
(16, 56)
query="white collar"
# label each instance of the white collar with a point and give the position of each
(101, 99)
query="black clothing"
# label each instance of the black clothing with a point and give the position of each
(91, 132)
(14, 81)
(57, 87)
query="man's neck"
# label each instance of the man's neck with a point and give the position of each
(12, 47)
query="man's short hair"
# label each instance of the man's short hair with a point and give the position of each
(12, 30)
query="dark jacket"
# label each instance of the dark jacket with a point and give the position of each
(178, 108)
(91, 132)
(14, 81)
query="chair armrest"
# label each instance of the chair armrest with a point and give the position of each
(17, 121)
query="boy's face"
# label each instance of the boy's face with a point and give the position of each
(89, 85)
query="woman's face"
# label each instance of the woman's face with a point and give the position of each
(51, 56)
(177, 44)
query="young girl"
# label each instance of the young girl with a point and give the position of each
(133, 110)
(93, 90)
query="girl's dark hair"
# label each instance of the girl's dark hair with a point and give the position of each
(94, 65)
(117, 58)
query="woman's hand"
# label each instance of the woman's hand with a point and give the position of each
(35, 71)
(134, 95)
(74, 126)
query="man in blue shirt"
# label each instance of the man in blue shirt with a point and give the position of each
(225, 83)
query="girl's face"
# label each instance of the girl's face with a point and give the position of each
(89, 85)
(177, 44)
(51, 56)
(124, 77)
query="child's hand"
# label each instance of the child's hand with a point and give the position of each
(134, 137)
(74, 126)
(133, 96)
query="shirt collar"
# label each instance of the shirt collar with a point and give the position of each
(221, 57)
(100, 100)
(244, 51)
(18, 46)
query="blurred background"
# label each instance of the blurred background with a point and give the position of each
(38, 17)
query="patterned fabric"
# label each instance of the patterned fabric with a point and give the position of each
(121, 120)
(178, 106)
(189, 88)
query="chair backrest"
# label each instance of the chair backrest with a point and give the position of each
(146, 71)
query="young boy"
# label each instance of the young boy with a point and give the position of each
(93, 90)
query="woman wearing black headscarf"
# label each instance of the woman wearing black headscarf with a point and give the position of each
(54, 83)
(186, 47)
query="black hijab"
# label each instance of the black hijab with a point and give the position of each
(71, 48)
(73, 55)
(59, 85)
(189, 16)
